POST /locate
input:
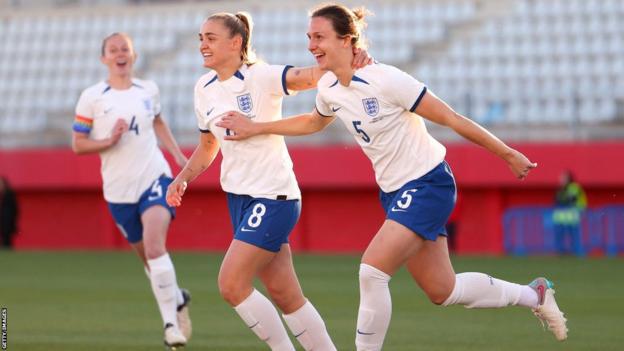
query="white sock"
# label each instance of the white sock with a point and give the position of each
(261, 317)
(528, 297)
(179, 297)
(375, 309)
(308, 327)
(165, 287)
(479, 290)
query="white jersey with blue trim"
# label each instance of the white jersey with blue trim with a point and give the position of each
(378, 109)
(131, 166)
(259, 166)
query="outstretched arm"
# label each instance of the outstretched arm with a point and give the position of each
(303, 78)
(166, 138)
(81, 144)
(436, 110)
(307, 77)
(244, 128)
(202, 157)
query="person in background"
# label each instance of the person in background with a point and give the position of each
(120, 119)
(9, 212)
(570, 203)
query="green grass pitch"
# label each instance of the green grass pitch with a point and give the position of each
(101, 301)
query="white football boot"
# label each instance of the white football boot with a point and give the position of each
(173, 337)
(547, 310)
(184, 319)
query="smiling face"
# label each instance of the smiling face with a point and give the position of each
(328, 48)
(118, 55)
(217, 46)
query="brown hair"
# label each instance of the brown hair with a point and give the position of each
(121, 34)
(346, 22)
(240, 24)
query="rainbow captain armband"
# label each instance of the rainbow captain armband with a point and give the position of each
(82, 124)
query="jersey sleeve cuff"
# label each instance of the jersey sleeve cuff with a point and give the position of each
(422, 94)
(204, 130)
(319, 112)
(284, 79)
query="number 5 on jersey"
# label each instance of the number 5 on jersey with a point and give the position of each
(365, 137)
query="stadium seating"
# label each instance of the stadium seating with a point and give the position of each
(562, 58)
(537, 62)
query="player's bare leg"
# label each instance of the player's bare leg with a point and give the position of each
(241, 264)
(301, 316)
(281, 281)
(140, 251)
(432, 270)
(183, 296)
(155, 222)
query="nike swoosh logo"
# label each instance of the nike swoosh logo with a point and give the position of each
(209, 112)
(298, 335)
(540, 294)
(363, 333)
(336, 109)
(253, 326)
(243, 229)
(108, 110)
(164, 286)
(152, 198)
(394, 209)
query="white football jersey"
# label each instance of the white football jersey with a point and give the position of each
(377, 108)
(132, 165)
(259, 166)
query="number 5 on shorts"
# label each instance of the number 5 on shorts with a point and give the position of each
(406, 198)
(156, 191)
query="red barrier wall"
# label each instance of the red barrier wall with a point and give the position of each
(62, 207)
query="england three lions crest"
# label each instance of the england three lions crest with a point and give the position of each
(148, 104)
(371, 106)
(244, 103)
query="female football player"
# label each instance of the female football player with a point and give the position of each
(119, 118)
(263, 196)
(382, 107)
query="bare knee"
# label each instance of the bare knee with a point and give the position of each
(439, 295)
(438, 299)
(287, 298)
(155, 228)
(233, 291)
(153, 250)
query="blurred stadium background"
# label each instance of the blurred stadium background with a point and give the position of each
(546, 76)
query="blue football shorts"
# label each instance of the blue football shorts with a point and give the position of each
(265, 223)
(128, 216)
(423, 205)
